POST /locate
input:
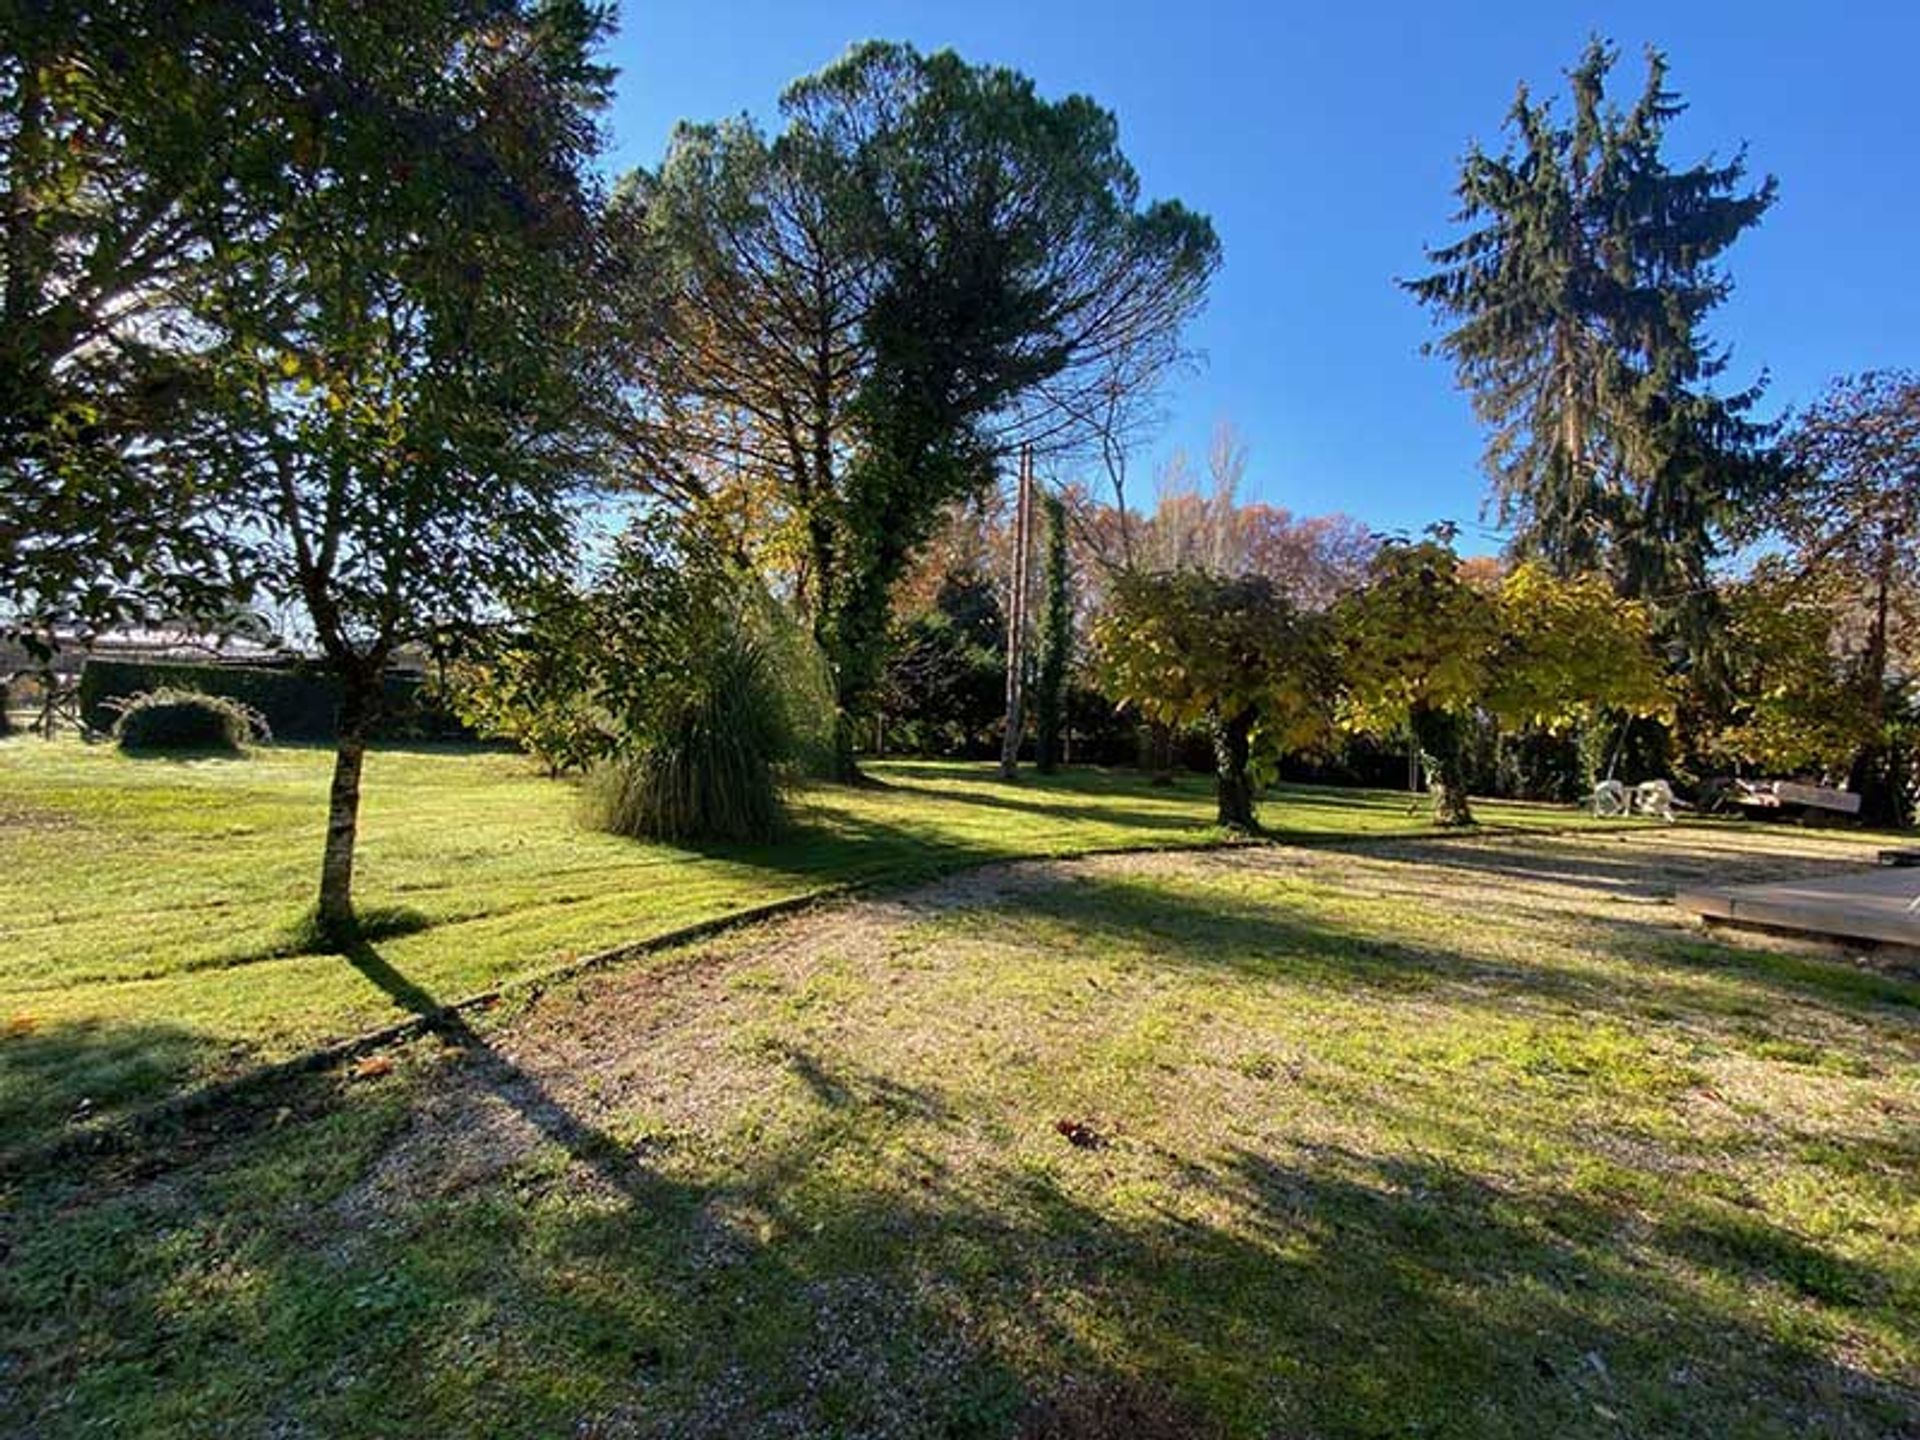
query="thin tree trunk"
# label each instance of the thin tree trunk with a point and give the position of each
(846, 768)
(49, 724)
(335, 909)
(1017, 624)
(1232, 750)
(1160, 752)
(1870, 776)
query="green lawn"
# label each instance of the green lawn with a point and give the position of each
(147, 906)
(1471, 1138)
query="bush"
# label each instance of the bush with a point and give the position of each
(172, 720)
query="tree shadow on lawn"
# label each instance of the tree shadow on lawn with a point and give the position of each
(873, 1263)
(828, 846)
(1807, 972)
(1096, 780)
(868, 1269)
(68, 1073)
(1243, 934)
(520, 1090)
(1276, 941)
(1655, 876)
(1007, 798)
(1611, 863)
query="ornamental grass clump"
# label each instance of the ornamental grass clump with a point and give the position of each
(716, 767)
(718, 700)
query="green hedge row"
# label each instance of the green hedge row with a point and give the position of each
(297, 704)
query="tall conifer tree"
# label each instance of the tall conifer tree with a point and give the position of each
(1575, 304)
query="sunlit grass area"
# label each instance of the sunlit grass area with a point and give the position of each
(1471, 1138)
(150, 909)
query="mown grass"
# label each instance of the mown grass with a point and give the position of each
(1465, 1139)
(151, 910)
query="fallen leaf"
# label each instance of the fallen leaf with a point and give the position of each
(373, 1065)
(1080, 1133)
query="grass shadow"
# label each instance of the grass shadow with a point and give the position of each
(863, 1263)
(67, 1073)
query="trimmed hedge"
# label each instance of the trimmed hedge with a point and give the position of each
(164, 720)
(297, 704)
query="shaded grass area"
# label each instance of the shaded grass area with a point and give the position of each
(1463, 1140)
(151, 911)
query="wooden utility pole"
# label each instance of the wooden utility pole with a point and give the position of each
(1017, 619)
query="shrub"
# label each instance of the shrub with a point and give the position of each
(159, 720)
(537, 682)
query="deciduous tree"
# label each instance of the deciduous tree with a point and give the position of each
(110, 111)
(1188, 648)
(1424, 649)
(396, 284)
(1849, 507)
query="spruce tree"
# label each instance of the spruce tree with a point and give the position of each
(1575, 305)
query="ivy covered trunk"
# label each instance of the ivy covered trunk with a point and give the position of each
(1440, 735)
(1232, 750)
(1056, 644)
(358, 700)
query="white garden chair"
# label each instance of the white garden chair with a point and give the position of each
(1611, 800)
(1654, 797)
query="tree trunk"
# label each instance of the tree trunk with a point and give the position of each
(1233, 784)
(846, 769)
(1871, 775)
(49, 722)
(1017, 623)
(335, 911)
(1439, 736)
(1160, 753)
(1874, 777)
(1056, 646)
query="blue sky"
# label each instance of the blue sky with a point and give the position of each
(1322, 140)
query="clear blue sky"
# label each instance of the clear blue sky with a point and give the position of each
(1322, 139)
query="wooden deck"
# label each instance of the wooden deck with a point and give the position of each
(1868, 905)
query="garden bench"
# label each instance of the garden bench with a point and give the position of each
(1785, 795)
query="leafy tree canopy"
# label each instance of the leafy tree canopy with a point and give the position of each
(1190, 648)
(109, 125)
(1424, 647)
(1800, 707)
(929, 264)
(402, 254)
